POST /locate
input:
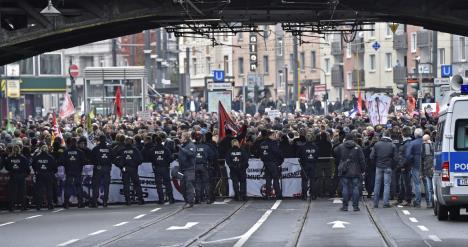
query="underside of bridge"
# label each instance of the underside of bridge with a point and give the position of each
(25, 32)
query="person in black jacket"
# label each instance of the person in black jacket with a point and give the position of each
(308, 154)
(351, 167)
(73, 160)
(204, 155)
(44, 167)
(186, 157)
(272, 159)
(324, 165)
(18, 168)
(130, 160)
(102, 161)
(238, 161)
(160, 158)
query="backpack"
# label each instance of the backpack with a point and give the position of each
(346, 162)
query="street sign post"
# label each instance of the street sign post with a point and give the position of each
(74, 70)
(441, 81)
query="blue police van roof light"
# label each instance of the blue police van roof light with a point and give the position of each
(464, 89)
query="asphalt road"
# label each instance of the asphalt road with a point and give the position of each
(229, 223)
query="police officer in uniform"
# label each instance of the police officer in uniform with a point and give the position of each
(130, 161)
(186, 157)
(18, 168)
(308, 154)
(238, 161)
(272, 159)
(204, 154)
(73, 160)
(160, 158)
(45, 167)
(102, 161)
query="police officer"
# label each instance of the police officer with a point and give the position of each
(18, 168)
(238, 161)
(272, 159)
(129, 162)
(308, 154)
(160, 158)
(204, 154)
(186, 157)
(73, 160)
(44, 167)
(102, 161)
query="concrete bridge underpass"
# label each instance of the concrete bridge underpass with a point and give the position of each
(26, 32)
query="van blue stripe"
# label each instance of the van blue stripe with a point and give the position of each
(458, 161)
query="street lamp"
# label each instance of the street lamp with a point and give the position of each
(50, 10)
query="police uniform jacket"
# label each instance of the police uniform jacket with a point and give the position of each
(237, 158)
(44, 164)
(17, 165)
(102, 157)
(158, 155)
(73, 161)
(270, 153)
(308, 154)
(130, 158)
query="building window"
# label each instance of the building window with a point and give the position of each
(462, 49)
(348, 50)
(291, 62)
(349, 80)
(27, 66)
(327, 65)
(266, 65)
(302, 64)
(2, 70)
(240, 37)
(279, 48)
(372, 33)
(194, 64)
(208, 65)
(388, 31)
(372, 62)
(281, 79)
(441, 55)
(313, 61)
(50, 64)
(266, 31)
(414, 42)
(226, 64)
(241, 65)
(388, 61)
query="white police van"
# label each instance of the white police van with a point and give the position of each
(451, 156)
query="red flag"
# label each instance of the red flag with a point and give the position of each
(67, 109)
(118, 102)
(225, 122)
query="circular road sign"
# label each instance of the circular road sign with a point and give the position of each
(74, 71)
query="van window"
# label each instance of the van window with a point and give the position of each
(439, 136)
(461, 134)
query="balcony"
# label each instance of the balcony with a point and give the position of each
(400, 73)
(337, 79)
(400, 42)
(336, 48)
(424, 38)
(357, 46)
(359, 75)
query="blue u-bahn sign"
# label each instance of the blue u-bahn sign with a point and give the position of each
(218, 76)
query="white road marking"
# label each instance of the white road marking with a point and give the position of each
(435, 238)
(68, 242)
(34, 216)
(414, 220)
(338, 224)
(8, 223)
(399, 206)
(337, 201)
(423, 228)
(276, 205)
(121, 223)
(226, 201)
(257, 225)
(97, 232)
(220, 240)
(58, 210)
(155, 210)
(405, 212)
(187, 226)
(139, 216)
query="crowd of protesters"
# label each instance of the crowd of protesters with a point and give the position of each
(337, 153)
